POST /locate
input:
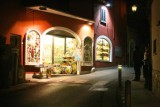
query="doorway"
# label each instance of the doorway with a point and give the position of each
(58, 45)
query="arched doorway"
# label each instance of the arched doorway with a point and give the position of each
(58, 45)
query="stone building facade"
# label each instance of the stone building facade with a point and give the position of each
(155, 40)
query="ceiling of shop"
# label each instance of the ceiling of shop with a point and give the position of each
(59, 33)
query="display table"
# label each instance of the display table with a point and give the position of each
(43, 68)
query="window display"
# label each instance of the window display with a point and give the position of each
(68, 65)
(32, 48)
(102, 50)
(59, 49)
(47, 49)
(87, 57)
(58, 54)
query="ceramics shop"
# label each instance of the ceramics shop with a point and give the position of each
(55, 52)
(58, 49)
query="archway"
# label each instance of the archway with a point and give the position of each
(59, 30)
(103, 49)
(58, 45)
(87, 51)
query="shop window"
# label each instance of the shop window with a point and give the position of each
(55, 48)
(87, 55)
(103, 49)
(103, 15)
(47, 49)
(59, 49)
(32, 48)
(58, 54)
(71, 44)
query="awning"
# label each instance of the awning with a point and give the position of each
(53, 11)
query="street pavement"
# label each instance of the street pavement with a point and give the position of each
(96, 89)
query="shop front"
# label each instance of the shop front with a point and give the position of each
(59, 46)
(55, 42)
(57, 49)
(48, 40)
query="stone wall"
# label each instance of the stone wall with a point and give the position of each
(156, 82)
(155, 40)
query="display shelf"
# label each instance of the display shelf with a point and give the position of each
(68, 65)
(102, 50)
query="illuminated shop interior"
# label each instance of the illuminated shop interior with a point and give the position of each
(57, 51)
(103, 49)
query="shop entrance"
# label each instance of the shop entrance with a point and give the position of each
(58, 45)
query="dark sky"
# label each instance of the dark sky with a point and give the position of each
(75, 7)
(140, 18)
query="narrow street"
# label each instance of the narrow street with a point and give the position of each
(97, 89)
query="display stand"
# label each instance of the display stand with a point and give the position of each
(66, 65)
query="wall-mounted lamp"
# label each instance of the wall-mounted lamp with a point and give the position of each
(90, 23)
(134, 8)
(42, 8)
(108, 4)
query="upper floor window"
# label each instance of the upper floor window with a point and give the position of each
(103, 15)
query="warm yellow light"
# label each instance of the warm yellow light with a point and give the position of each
(47, 39)
(134, 8)
(86, 28)
(58, 41)
(90, 23)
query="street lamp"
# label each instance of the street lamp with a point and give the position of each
(134, 8)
